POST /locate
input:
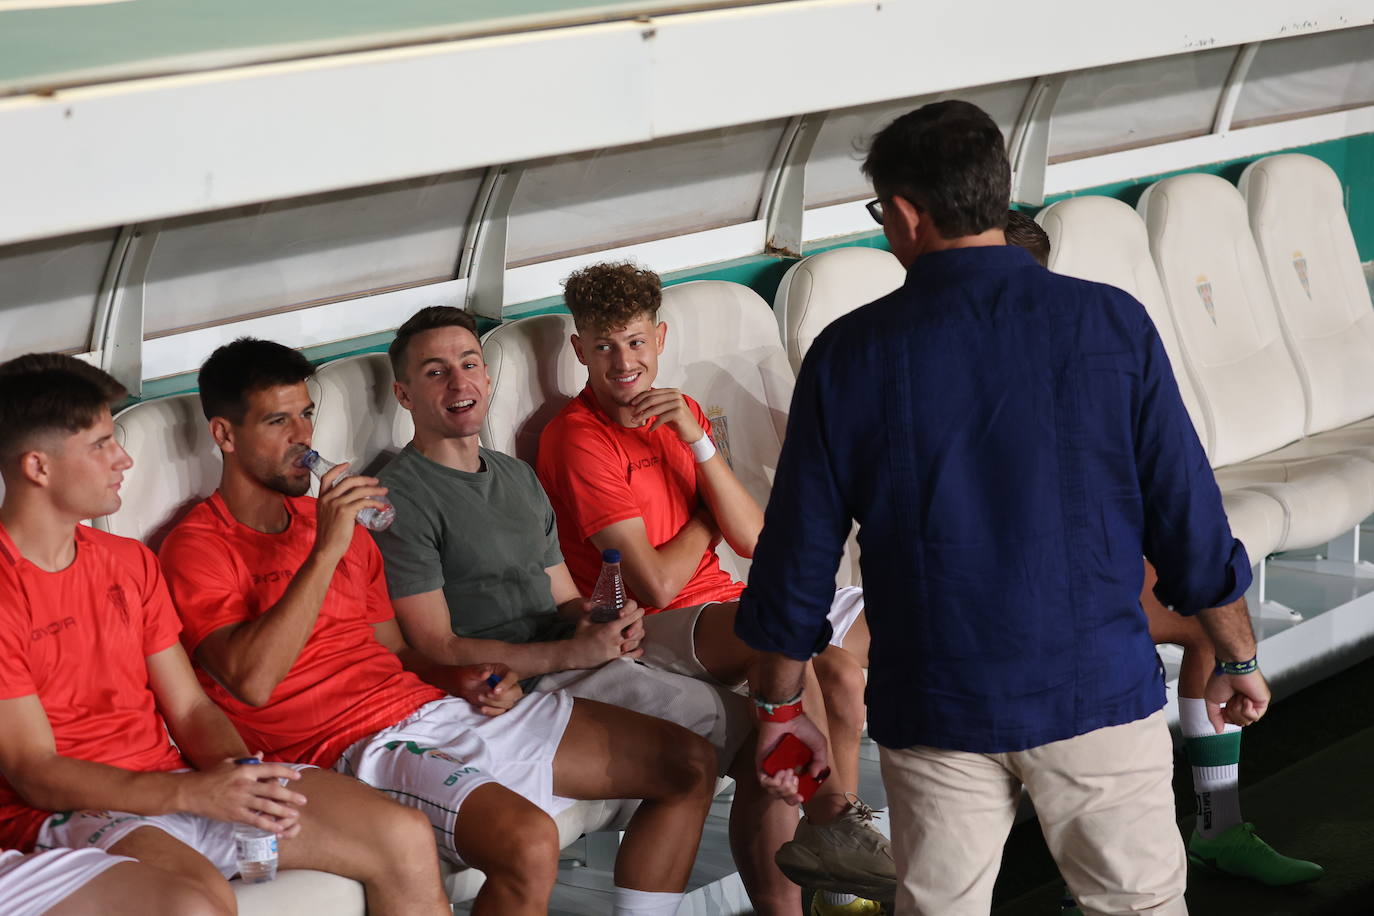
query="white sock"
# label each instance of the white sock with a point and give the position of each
(1216, 782)
(836, 899)
(645, 903)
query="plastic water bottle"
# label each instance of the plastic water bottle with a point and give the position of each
(369, 517)
(609, 595)
(255, 849)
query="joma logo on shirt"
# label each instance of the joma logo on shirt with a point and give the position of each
(278, 575)
(52, 629)
(641, 464)
(118, 601)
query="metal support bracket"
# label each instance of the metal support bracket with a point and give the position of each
(784, 200)
(1029, 149)
(483, 261)
(117, 340)
(1230, 90)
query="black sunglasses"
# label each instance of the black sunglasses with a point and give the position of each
(875, 210)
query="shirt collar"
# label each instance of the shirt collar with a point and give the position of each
(953, 262)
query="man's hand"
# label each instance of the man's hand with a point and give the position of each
(595, 644)
(471, 683)
(1240, 699)
(668, 407)
(245, 793)
(337, 511)
(783, 784)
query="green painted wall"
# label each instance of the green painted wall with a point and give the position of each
(1352, 159)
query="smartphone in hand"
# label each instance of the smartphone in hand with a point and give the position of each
(791, 753)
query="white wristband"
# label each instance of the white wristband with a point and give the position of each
(703, 448)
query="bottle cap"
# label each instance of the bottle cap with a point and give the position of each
(493, 679)
(309, 458)
(245, 761)
(610, 556)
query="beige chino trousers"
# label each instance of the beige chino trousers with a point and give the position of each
(1105, 803)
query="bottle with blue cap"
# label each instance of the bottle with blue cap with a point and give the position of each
(609, 595)
(255, 848)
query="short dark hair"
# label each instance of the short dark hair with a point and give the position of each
(50, 392)
(426, 319)
(949, 160)
(604, 297)
(243, 367)
(1026, 233)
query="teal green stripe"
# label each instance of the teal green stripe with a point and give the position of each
(1214, 750)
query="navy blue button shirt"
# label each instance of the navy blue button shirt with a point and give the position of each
(1011, 442)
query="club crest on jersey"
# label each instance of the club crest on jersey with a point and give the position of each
(119, 602)
(720, 432)
(1204, 291)
(1300, 268)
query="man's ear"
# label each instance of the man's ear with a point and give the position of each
(661, 332)
(402, 396)
(908, 219)
(577, 348)
(223, 433)
(35, 467)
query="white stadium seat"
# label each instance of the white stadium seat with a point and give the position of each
(357, 417)
(722, 348)
(1103, 240)
(534, 372)
(821, 287)
(1233, 348)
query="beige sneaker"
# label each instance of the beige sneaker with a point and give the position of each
(846, 856)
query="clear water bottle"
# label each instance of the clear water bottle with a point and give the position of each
(369, 517)
(609, 595)
(255, 849)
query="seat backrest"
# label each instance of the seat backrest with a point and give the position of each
(534, 372)
(1300, 226)
(821, 287)
(357, 418)
(176, 464)
(1103, 240)
(722, 348)
(1227, 324)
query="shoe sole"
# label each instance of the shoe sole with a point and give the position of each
(1210, 865)
(802, 868)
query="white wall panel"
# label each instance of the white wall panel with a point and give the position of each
(611, 198)
(833, 172)
(1127, 105)
(48, 292)
(221, 266)
(1310, 73)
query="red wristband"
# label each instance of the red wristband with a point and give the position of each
(783, 713)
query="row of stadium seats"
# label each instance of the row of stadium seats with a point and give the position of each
(1288, 432)
(1260, 299)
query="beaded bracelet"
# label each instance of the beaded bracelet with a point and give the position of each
(1249, 667)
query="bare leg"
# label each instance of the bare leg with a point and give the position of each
(858, 639)
(842, 688)
(610, 752)
(1199, 656)
(163, 851)
(759, 824)
(726, 658)
(515, 844)
(351, 829)
(138, 889)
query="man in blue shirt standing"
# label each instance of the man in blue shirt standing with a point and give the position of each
(1011, 443)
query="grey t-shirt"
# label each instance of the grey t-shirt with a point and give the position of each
(484, 538)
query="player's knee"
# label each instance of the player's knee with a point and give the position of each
(842, 685)
(531, 851)
(197, 897)
(690, 768)
(406, 835)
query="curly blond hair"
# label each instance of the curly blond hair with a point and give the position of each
(607, 297)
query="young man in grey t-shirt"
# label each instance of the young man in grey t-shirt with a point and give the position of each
(475, 572)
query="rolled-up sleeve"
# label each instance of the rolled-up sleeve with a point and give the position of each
(1187, 537)
(792, 578)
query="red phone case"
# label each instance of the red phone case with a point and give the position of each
(792, 754)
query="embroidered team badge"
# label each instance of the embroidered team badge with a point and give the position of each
(1204, 290)
(1300, 268)
(720, 432)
